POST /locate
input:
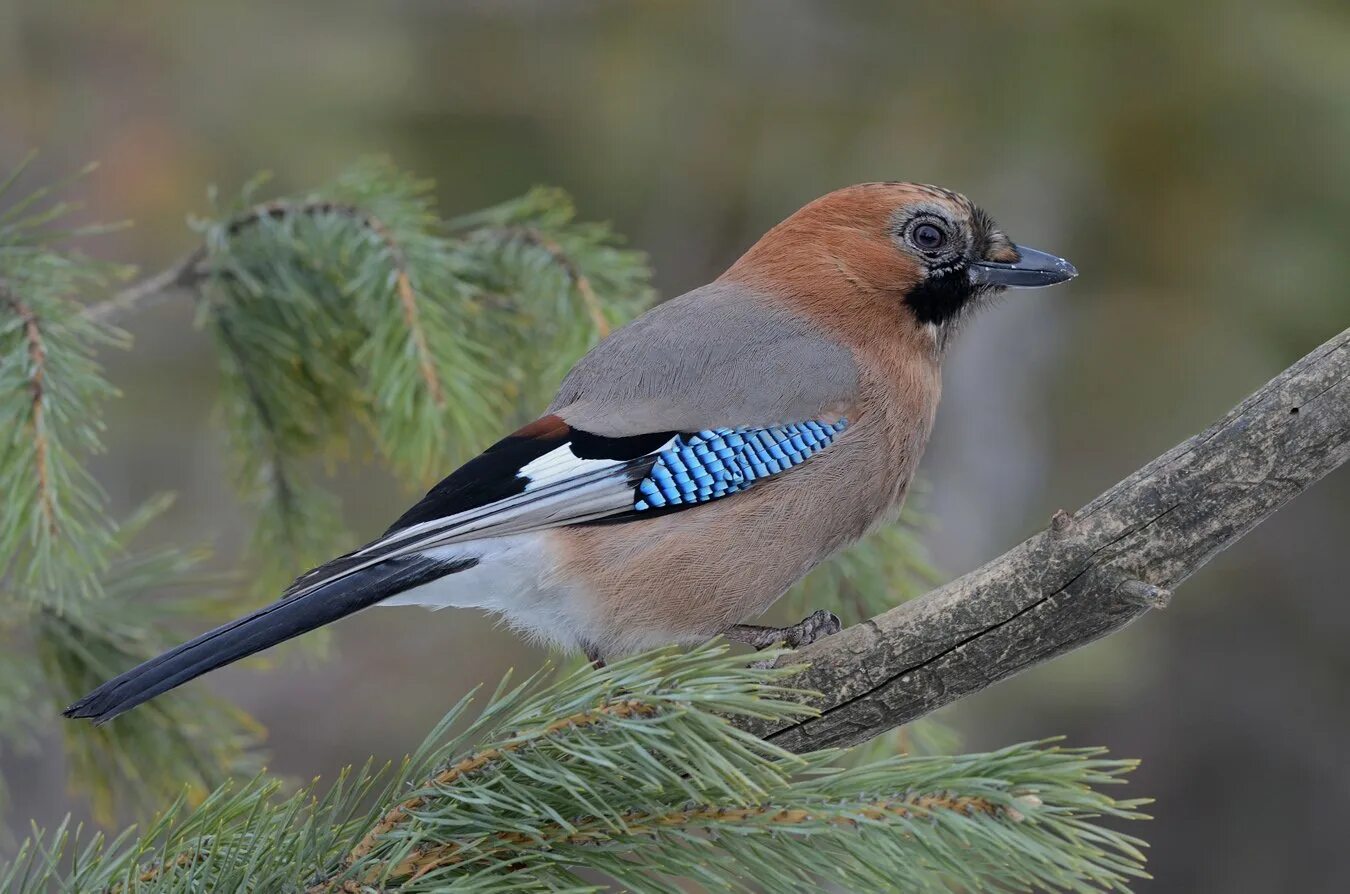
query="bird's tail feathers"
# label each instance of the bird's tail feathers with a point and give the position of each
(284, 619)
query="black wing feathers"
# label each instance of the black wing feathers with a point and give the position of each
(588, 446)
(488, 477)
(495, 474)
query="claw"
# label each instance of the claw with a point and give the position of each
(819, 625)
(816, 626)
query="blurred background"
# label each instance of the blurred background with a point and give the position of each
(1191, 159)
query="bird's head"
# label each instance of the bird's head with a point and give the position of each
(922, 253)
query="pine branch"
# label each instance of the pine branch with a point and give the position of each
(72, 607)
(1091, 573)
(37, 358)
(53, 528)
(480, 760)
(148, 292)
(189, 272)
(593, 831)
(54, 513)
(190, 743)
(579, 280)
(321, 308)
(638, 775)
(395, 253)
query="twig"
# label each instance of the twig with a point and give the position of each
(591, 830)
(401, 813)
(152, 872)
(281, 486)
(188, 272)
(37, 357)
(579, 280)
(1091, 573)
(148, 292)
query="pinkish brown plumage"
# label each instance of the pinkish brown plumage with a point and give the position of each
(694, 464)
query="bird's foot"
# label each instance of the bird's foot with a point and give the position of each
(593, 656)
(818, 625)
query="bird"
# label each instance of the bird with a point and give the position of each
(696, 462)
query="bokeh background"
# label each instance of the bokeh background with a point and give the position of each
(1191, 159)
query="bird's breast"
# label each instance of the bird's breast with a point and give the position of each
(686, 576)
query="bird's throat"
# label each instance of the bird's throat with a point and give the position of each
(940, 300)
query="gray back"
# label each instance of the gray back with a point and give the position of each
(720, 355)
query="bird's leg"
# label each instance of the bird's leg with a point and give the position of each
(593, 656)
(817, 625)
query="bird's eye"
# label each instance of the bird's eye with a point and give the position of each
(928, 237)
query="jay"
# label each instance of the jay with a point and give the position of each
(696, 462)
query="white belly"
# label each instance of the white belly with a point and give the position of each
(511, 580)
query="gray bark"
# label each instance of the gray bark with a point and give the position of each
(1088, 574)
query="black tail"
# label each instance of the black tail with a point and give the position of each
(284, 619)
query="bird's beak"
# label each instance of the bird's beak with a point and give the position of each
(1035, 269)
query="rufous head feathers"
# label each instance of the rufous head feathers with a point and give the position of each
(898, 252)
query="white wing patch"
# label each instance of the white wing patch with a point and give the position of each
(561, 463)
(563, 490)
(549, 472)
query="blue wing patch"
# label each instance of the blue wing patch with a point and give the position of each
(710, 464)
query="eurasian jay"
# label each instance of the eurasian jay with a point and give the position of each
(696, 462)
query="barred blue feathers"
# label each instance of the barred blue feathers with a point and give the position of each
(711, 464)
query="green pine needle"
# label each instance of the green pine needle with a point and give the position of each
(638, 775)
(54, 532)
(177, 743)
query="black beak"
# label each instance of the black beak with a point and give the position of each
(1036, 269)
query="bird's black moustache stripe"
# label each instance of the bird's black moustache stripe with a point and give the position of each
(940, 297)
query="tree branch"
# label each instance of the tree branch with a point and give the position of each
(579, 280)
(1089, 574)
(37, 360)
(148, 292)
(690, 820)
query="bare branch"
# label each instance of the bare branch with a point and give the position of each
(1089, 574)
(148, 292)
